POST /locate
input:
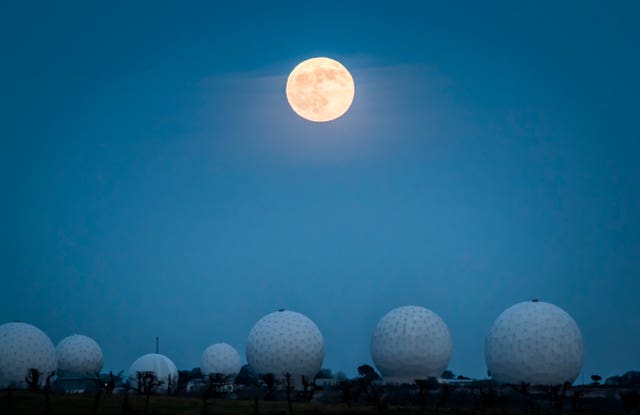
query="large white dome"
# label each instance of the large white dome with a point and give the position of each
(286, 342)
(24, 347)
(410, 343)
(79, 355)
(534, 342)
(159, 364)
(220, 358)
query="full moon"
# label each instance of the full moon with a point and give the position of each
(320, 89)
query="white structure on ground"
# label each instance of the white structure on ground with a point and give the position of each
(79, 355)
(410, 343)
(534, 342)
(163, 367)
(220, 358)
(286, 342)
(24, 347)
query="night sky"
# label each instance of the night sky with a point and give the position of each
(155, 181)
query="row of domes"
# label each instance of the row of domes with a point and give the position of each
(532, 342)
(24, 347)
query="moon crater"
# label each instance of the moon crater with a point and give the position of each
(320, 89)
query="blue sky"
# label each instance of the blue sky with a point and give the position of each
(156, 182)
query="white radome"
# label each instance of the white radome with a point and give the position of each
(410, 343)
(79, 355)
(220, 358)
(24, 347)
(534, 342)
(286, 342)
(163, 367)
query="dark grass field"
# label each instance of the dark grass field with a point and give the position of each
(34, 403)
(27, 403)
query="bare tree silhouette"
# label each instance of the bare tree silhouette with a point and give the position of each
(215, 384)
(270, 381)
(425, 385)
(171, 384)
(308, 388)
(10, 400)
(33, 379)
(288, 384)
(147, 384)
(346, 386)
(557, 395)
(47, 392)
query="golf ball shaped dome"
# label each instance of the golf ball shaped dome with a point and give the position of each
(286, 342)
(534, 342)
(79, 355)
(163, 367)
(410, 343)
(220, 358)
(24, 347)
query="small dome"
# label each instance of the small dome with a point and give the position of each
(164, 369)
(79, 355)
(410, 343)
(534, 342)
(286, 342)
(220, 358)
(24, 347)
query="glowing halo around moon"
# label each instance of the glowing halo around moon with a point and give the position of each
(320, 89)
